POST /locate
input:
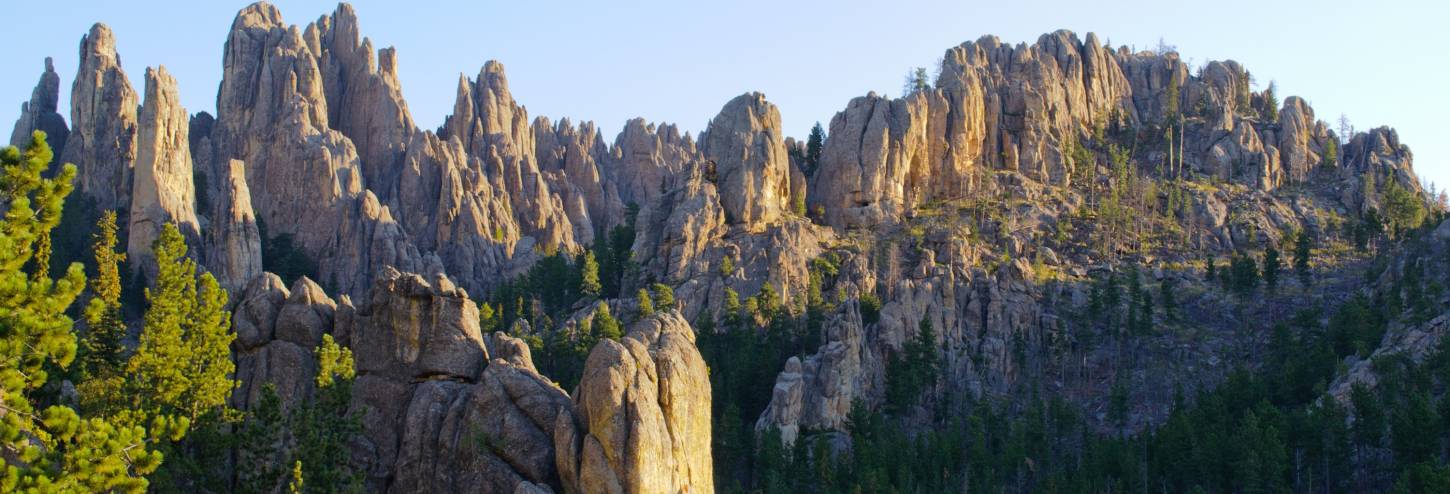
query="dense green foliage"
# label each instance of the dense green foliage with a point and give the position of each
(105, 324)
(914, 369)
(1261, 431)
(46, 446)
(744, 352)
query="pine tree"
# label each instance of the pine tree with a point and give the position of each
(104, 323)
(1301, 256)
(1271, 102)
(664, 296)
(1415, 430)
(1271, 268)
(324, 429)
(1167, 294)
(604, 325)
(183, 363)
(645, 306)
(814, 143)
(589, 275)
(55, 449)
(488, 317)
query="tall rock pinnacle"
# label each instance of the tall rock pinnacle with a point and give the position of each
(102, 141)
(39, 113)
(163, 191)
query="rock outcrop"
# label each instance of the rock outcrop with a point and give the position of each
(40, 113)
(233, 242)
(643, 415)
(673, 233)
(272, 114)
(277, 331)
(438, 415)
(747, 146)
(162, 189)
(102, 140)
(647, 159)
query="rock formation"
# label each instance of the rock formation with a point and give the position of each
(980, 204)
(233, 243)
(643, 415)
(747, 145)
(40, 113)
(102, 139)
(163, 191)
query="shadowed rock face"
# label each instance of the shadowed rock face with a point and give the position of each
(40, 113)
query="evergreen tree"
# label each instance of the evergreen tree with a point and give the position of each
(1210, 269)
(604, 325)
(183, 363)
(324, 429)
(1167, 294)
(1271, 268)
(589, 275)
(54, 449)
(645, 306)
(1301, 256)
(105, 325)
(1403, 209)
(1415, 430)
(1271, 102)
(814, 143)
(488, 318)
(664, 296)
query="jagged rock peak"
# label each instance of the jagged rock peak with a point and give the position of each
(40, 112)
(748, 147)
(163, 191)
(102, 142)
(648, 159)
(364, 95)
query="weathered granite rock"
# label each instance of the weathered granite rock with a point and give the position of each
(233, 243)
(277, 332)
(272, 114)
(102, 141)
(364, 96)
(162, 189)
(747, 145)
(493, 436)
(643, 415)
(495, 130)
(40, 113)
(672, 234)
(647, 159)
(416, 329)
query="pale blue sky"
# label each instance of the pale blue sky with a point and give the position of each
(1380, 63)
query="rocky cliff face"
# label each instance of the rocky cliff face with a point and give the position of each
(445, 408)
(747, 146)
